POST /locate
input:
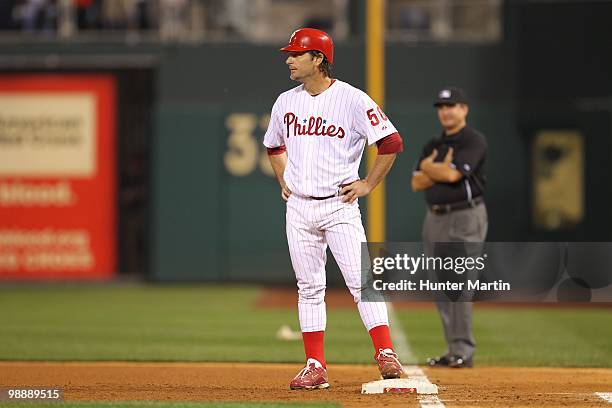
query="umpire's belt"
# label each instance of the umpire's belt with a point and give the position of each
(440, 209)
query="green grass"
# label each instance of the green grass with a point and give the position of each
(220, 323)
(158, 323)
(522, 337)
(152, 404)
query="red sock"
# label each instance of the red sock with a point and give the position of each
(381, 338)
(313, 345)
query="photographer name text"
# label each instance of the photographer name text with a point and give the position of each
(427, 285)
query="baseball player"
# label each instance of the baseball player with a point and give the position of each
(315, 141)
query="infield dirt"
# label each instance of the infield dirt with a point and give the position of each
(477, 387)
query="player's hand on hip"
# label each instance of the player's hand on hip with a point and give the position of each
(285, 193)
(355, 190)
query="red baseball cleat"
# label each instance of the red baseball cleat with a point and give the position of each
(388, 364)
(311, 377)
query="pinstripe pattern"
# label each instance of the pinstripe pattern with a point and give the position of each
(312, 226)
(325, 136)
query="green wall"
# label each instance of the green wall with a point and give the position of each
(211, 224)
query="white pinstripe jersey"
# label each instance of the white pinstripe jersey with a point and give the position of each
(324, 135)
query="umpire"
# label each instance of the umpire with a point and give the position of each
(451, 172)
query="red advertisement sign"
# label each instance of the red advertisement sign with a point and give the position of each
(57, 177)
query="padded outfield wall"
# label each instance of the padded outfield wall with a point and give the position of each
(217, 206)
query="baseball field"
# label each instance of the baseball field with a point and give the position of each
(143, 345)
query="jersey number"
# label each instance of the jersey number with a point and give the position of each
(374, 118)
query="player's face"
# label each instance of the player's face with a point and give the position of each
(301, 65)
(453, 115)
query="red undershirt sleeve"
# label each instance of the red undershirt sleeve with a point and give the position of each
(273, 151)
(390, 144)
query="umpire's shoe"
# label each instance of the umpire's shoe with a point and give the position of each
(455, 361)
(461, 362)
(443, 361)
(311, 377)
(388, 364)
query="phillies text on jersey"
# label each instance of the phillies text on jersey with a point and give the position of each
(312, 127)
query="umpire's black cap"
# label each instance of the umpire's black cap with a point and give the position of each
(450, 95)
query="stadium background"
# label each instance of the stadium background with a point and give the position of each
(195, 203)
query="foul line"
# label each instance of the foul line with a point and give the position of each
(400, 342)
(404, 352)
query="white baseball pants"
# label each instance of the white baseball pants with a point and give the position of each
(312, 225)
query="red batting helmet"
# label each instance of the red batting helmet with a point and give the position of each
(307, 39)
